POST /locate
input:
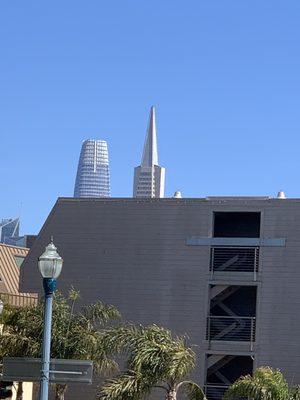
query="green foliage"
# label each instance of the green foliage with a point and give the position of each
(265, 384)
(155, 359)
(74, 335)
(295, 393)
(128, 386)
(193, 391)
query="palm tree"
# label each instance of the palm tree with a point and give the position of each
(74, 335)
(265, 384)
(156, 360)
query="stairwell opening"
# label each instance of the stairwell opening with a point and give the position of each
(222, 370)
(236, 224)
(232, 313)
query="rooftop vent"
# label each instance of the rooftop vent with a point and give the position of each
(177, 195)
(281, 195)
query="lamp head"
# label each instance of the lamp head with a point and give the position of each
(50, 262)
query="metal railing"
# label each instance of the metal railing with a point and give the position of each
(19, 300)
(227, 328)
(214, 391)
(234, 259)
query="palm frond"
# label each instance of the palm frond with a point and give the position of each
(128, 386)
(294, 393)
(73, 294)
(265, 384)
(100, 313)
(152, 352)
(194, 391)
(182, 361)
(120, 339)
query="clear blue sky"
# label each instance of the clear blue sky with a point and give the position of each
(224, 76)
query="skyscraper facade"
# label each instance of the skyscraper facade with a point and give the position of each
(92, 178)
(149, 177)
(9, 231)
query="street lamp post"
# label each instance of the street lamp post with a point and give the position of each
(50, 265)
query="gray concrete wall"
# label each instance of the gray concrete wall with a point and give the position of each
(133, 253)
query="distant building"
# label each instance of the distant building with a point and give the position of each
(9, 231)
(92, 178)
(29, 240)
(9, 234)
(16, 241)
(9, 228)
(149, 177)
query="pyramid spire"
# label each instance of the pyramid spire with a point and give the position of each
(150, 155)
(149, 177)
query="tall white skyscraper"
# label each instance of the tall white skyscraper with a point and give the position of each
(92, 178)
(149, 177)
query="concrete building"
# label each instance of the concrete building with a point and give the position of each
(225, 271)
(92, 179)
(149, 177)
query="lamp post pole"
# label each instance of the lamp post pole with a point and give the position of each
(50, 265)
(49, 287)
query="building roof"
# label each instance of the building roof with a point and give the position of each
(10, 261)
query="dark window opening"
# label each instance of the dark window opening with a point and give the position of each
(237, 224)
(234, 300)
(223, 371)
(232, 314)
(228, 368)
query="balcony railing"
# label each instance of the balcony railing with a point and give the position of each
(234, 259)
(226, 328)
(19, 300)
(214, 391)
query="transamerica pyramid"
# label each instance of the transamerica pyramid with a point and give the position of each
(149, 177)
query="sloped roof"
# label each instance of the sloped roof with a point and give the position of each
(9, 269)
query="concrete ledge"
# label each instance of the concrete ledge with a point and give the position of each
(260, 242)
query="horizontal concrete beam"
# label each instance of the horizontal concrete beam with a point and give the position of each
(205, 241)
